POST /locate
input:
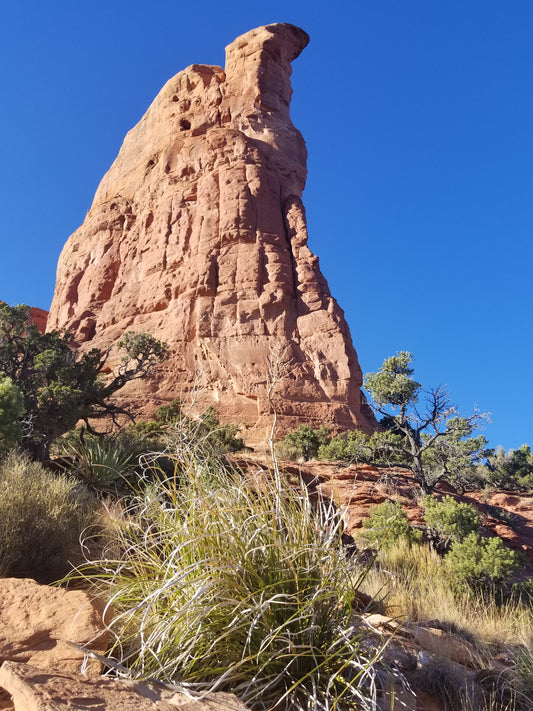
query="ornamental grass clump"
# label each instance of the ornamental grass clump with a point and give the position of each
(241, 584)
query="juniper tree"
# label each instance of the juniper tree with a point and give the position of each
(61, 386)
(437, 441)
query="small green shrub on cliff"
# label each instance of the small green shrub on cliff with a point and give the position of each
(481, 564)
(380, 448)
(42, 515)
(385, 525)
(305, 442)
(449, 520)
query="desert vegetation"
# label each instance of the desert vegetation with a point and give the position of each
(434, 441)
(226, 574)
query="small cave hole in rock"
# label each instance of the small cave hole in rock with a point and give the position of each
(185, 124)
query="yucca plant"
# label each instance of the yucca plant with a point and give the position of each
(232, 584)
(99, 462)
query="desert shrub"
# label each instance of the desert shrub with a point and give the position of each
(380, 448)
(168, 418)
(349, 446)
(101, 463)
(511, 470)
(449, 520)
(42, 515)
(481, 564)
(385, 525)
(229, 584)
(305, 442)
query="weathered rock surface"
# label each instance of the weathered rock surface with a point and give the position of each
(32, 689)
(39, 317)
(197, 234)
(38, 623)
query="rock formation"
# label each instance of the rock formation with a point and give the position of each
(39, 317)
(197, 234)
(44, 632)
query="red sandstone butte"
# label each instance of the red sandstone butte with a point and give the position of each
(197, 234)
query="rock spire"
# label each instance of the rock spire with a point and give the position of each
(197, 234)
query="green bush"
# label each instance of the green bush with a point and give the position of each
(171, 419)
(223, 583)
(481, 564)
(305, 442)
(381, 448)
(449, 520)
(511, 470)
(347, 446)
(385, 525)
(102, 463)
(42, 515)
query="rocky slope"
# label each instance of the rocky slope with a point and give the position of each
(197, 234)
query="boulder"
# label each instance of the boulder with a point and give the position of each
(42, 626)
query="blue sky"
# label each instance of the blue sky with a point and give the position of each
(418, 121)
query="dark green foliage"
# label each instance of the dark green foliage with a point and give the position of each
(11, 412)
(385, 525)
(382, 448)
(481, 564)
(59, 386)
(449, 520)
(511, 470)
(305, 442)
(393, 385)
(349, 446)
(102, 463)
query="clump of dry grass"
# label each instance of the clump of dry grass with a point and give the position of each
(218, 582)
(413, 581)
(42, 515)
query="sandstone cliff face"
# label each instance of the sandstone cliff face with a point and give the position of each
(197, 234)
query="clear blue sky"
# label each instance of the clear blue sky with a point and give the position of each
(418, 118)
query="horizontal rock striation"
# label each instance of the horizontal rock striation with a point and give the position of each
(197, 234)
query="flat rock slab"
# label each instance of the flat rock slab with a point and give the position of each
(38, 623)
(32, 689)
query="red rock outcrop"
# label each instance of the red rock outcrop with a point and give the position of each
(32, 689)
(39, 318)
(197, 234)
(38, 623)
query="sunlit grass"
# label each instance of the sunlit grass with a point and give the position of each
(42, 515)
(220, 582)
